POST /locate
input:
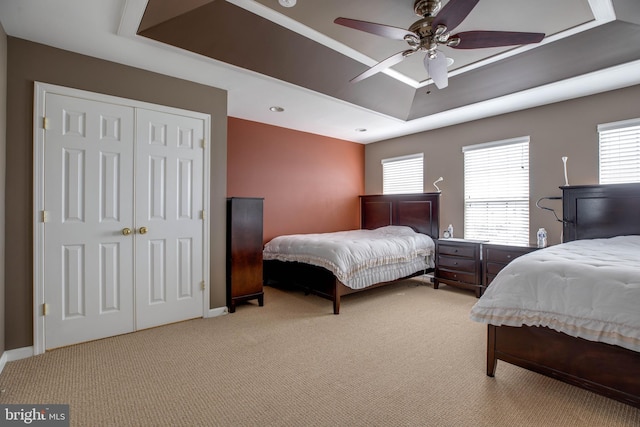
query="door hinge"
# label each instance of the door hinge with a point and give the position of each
(202, 285)
(45, 309)
(202, 214)
(203, 143)
(45, 123)
(44, 216)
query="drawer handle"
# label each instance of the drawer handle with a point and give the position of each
(508, 256)
(455, 263)
(455, 251)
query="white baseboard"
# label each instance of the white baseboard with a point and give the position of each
(19, 353)
(15, 354)
(219, 311)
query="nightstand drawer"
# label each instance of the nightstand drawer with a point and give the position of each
(457, 263)
(458, 276)
(457, 250)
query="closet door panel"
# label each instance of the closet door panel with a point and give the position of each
(88, 199)
(169, 225)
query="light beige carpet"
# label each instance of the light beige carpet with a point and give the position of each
(402, 355)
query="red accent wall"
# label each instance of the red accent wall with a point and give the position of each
(310, 183)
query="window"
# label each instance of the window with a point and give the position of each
(496, 191)
(620, 152)
(403, 174)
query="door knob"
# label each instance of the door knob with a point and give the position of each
(126, 231)
(143, 230)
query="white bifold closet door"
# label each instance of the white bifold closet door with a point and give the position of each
(123, 233)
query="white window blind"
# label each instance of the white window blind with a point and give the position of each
(496, 190)
(620, 152)
(403, 174)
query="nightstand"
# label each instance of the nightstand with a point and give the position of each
(496, 256)
(458, 264)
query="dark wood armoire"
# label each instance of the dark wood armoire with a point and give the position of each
(244, 251)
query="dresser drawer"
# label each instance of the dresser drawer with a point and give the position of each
(495, 257)
(457, 263)
(493, 268)
(457, 250)
(488, 279)
(503, 256)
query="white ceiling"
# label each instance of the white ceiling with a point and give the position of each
(107, 29)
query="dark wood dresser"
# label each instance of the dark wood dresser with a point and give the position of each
(244, 251)
(496, 256)
(458, 264)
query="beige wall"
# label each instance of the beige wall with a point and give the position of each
(3, 145)
(29, 62)
(562, 129)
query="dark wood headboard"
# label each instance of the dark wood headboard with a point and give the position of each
(419, 211)
(599, 211)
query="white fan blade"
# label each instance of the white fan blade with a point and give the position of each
(437, 69)
(381, 66)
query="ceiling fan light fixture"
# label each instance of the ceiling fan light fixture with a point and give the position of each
(453, 42)
(440, 30)
(412, 39)
(287, 3)
(276, 109)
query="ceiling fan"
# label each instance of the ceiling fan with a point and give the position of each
(433, 30)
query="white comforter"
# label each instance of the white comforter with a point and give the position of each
(358, 258)
(585, 288)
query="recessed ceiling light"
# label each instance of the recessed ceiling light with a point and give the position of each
(361, 130)
(276, 109)
(287, 3)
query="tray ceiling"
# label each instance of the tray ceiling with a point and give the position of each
(264, 55)
(301, 45)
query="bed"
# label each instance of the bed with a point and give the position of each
(588, 334)
(397, 215)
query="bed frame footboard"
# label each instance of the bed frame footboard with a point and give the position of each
(605, 369)
(314, 280)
